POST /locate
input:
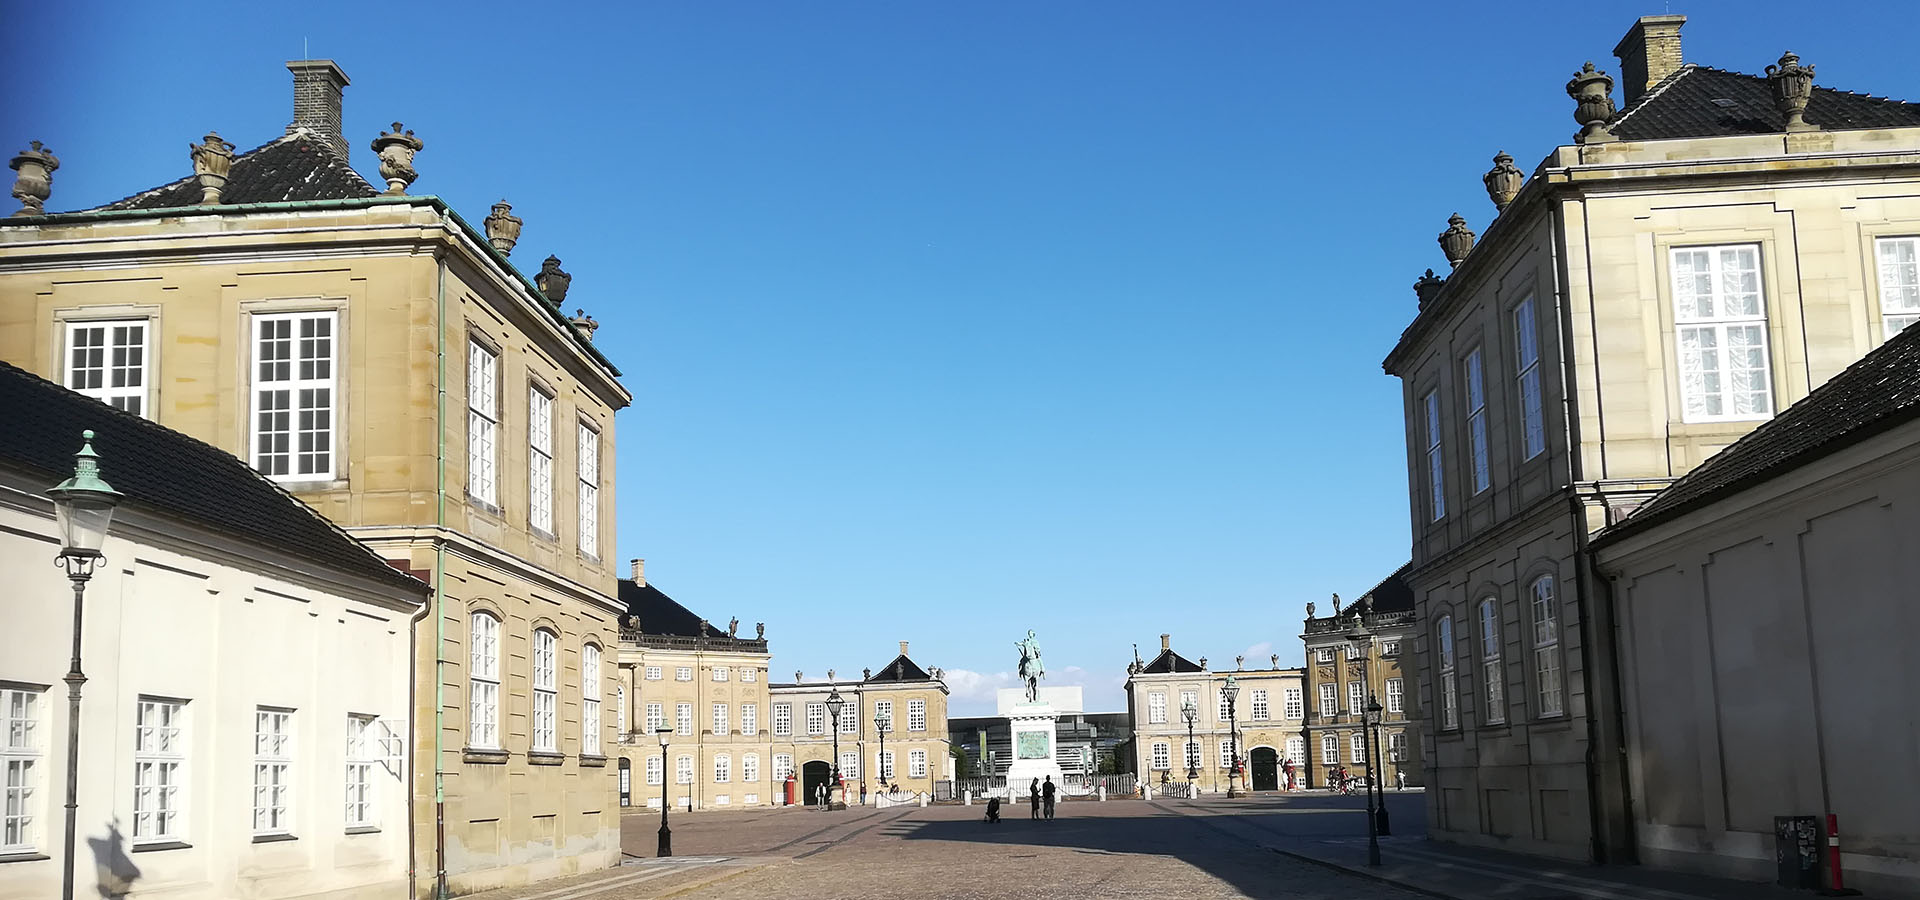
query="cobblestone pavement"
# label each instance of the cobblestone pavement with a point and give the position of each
(1209, 849)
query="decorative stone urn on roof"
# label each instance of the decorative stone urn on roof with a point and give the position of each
(396, 151)
(33, 181)
(212, 160)
(1427, 288)
(585, 324)
(503, 228)
(552, 282)
(1592, 91)
(1792, 85)
(1456, 242)
(1503, 181)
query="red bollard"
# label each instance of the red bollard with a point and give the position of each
(1839, 888)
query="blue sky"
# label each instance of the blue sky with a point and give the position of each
(945, 321)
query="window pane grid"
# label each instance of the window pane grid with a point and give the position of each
(359, 776)
(20, 756)
(1899, 283)
(1527, 363)
(539, 460)
(483, 417)
(1436, 478)
(1546, 647)
(159, 768)
(483, 681)
(293, 395)
(1477, 422)
(590, 700)
(1492, 673)
(108, 362)
(1720, 318)
(589, 488)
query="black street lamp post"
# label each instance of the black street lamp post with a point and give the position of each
(1232, 692)
(666, 834)
(1373, 821)
(1364, 640)
(82, 510)
(1187, 710)
(880, 726)
(835, 703)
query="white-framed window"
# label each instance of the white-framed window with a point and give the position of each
(1329, 698)
(783, 719)
(1192, 755)
(1449, 678)
(363, 753)
(683, 673)
(294, 390)
(722, 768)
(1353, 652)
(750, 768)
(1396, 695)
(20, 756)
(590, 700)
(653, 770)
(539, 460)
(653, 673)
(1389, 648)
(1162, 756)
(1721, 319)
(107, 360)
(683, 770)
(1297, 748)
(1330, 748)
(850, 717)
(1294, 708)
(1357, 747)
(747, 674)
(816, 718)
(272, 769)
(1546, 647)
(1157, 708)
(849, 764)
(886, 765)
(1477, 422)
(883, 711)
(749, 719)
(719, 718)
(1492, 673)
(1397, 747)
(620, 707)
(588, 466)
(1526, 350)
(720, 673)
(545, 695)
(1258, 706)
(656, 718)
(483, 420)
(916, 763)
(1226, 754)
(1226, 709)
(1356, 697)
(782, 766)
(1899, 283)
(1436, 466)
(1323, 655)
(159, 770)
(483, 681)
(916, 715)
(683, 718)
(1188, 698)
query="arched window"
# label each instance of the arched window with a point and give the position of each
(1491, 671)
(620, 708)
(590, 700)
(483, 681)
(1546, 647)
(1449, 678)
(545, 701)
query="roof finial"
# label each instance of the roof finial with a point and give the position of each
(34, 183)
(396, 151)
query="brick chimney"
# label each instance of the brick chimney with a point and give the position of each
(316, 100)
(639, 572)
(1166, 643)
(1649, 53)
(903, 648)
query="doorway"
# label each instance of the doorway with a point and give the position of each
(812, 775)
(1265, 769)
(626, 782)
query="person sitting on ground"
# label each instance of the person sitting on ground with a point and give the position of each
(993, 809)
(1047, 795)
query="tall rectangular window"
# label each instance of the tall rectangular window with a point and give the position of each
(886, 765)
(483, 681)
(1492, 672)
(1192, 755)
(1294, 707)
(589, 488)
(293, 395)
(783, 719)
(1436, 467)
(849, 764)
(1296, 749)
(1396, 695)
(1899, 284)
(653, 769)
(1546, 647)
(749, 719)
(1226, 709)
(850, 718)
(483, 419)
(883, 712)
(272, 769)
(750, 768)
(539, 461)
(1526, 344)
(20, 756)
(1721, 318)
(545, 700)
(1162, 755)
(656, 718)
(1258, 705)
(1357, 747)
(1356, 697)
(1188, 698)
(816, 718)
(1329, 699)
(683, 718)
(108, 362)
(1157, 708)
(916, 763)
(683, 770)
(1477, 421)
(590, 700)
(720, 718)
(722, 768)
(362, 755)
(1449, 678)
(782, 766)
(1397, 747)
(159, 770)
(1330, 748)
(620, 706)
(916, 715)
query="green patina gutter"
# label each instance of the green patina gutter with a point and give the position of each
(433, 200)
(439, 581)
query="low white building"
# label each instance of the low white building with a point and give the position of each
(244, 717)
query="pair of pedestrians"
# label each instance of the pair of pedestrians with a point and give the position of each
(1043, 793)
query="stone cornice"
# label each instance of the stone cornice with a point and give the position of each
(475, 550)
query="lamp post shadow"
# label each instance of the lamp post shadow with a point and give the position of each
(114, 870)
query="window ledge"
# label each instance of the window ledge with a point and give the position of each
(23, 856)
(273, 838)
(485, 506)
(160, 845)
(591, 759)
(364, 829)
(295, 484)
(483, 755)
(545, 758)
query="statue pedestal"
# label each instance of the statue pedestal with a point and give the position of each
(1033, 726)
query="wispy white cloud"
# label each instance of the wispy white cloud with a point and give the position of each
(967, 687)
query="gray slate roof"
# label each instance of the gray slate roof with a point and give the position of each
(298, 166)
(1874, 395)
(1701, 101)
(161, 468)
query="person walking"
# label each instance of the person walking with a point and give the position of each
(1047, 795)
(1035, 799)
(1401, 777)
